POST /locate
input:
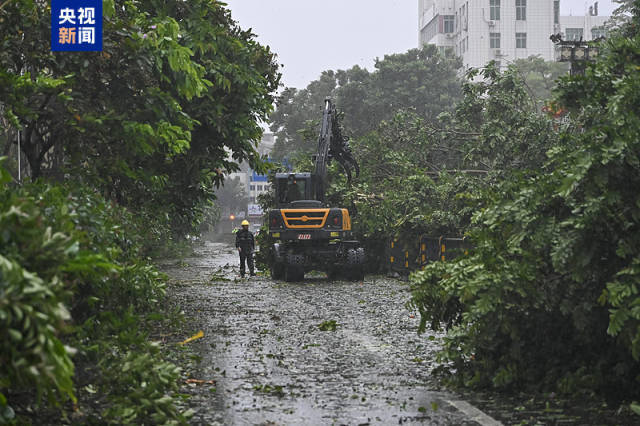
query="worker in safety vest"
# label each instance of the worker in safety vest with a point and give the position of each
(245, 244)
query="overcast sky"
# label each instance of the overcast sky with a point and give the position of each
(312, 36)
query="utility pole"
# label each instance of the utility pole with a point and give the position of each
(19, 163)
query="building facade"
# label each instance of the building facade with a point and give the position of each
(253, 183)
(258, 184)
(480, 31)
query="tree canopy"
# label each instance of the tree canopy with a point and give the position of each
(548, 297)
(422, 80)
(540, 76)
(170, 104)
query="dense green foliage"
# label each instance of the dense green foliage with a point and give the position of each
(149, 119)
(549, 296)
(428, 177)
(442, 145)
(422, 80)
(72, 278)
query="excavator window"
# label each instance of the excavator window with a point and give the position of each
(291, 190)
(295, 190)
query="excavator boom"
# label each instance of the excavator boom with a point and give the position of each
(332, 145)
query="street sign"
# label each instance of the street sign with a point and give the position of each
(254, 210)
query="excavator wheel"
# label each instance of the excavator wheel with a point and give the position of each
(294, 269)
(355, 264)
(277, 271)
(357, 273)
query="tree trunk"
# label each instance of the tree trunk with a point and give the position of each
(31, 151)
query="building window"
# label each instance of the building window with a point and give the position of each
(521, 40)
(597, 32)
(556, 12)
(573, 34)
(252, 187)
(521, 10)
(449, 21)
(494, 40)
(494, 10)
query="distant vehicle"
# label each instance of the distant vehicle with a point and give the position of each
(310, 234)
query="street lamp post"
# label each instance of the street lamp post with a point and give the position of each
(578, 52)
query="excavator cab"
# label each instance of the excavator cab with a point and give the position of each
(295, 189)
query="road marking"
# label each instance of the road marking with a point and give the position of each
(373, 345)
(474, 414)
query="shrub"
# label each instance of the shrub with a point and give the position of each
(32, 316)
(68, 257)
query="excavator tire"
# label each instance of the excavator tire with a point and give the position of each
(355, 264)
(294, 269)
(277, 271)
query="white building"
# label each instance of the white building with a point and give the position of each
(587, 27)
(254, 184)
(246, 175)
(258, 184)
(502, 30)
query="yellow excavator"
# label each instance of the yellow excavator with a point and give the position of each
(309, 234)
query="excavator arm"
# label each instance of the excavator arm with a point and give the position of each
(332, 145)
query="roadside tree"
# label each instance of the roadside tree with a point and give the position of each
(421, 80)
(548, 298)
(151, 117)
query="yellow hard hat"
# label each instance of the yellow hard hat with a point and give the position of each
(245, 222)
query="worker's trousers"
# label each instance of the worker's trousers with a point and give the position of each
(246, 255)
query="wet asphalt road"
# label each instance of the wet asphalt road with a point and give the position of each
(273, 364)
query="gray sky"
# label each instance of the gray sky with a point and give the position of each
(312, 36)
